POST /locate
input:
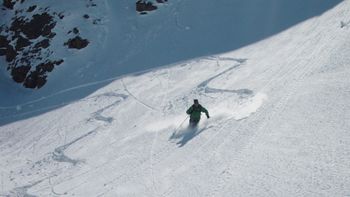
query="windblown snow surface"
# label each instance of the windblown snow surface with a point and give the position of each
(279, 126)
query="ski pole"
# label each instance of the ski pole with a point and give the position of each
(181, 124)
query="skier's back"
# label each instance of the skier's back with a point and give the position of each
(195, 113)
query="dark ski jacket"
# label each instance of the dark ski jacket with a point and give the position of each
(195, 112)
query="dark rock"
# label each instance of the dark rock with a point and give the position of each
(45, 67)
(35, 50)
(59, 62)
(35, 80)
(142, 6)
(91, 4)
(18, 11)
(2, 51)
(40, 25)
(28, 40)
(60, 15)
(42, 44)
(51, 35)
(76, 30)
(9, 4)
(3, 41)
(10, 54)
(161, 1)
(86, 16)
(24, 60)
(48, 66)
(77, 43)
(16, 24)
(31, 8)
(20, 73)
(96, 21)
(21, 43)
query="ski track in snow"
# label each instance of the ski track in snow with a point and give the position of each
(137, 99)
(203, 87)
(279, 108)
(98, 114)
(53, 106)
(152, 108)
(281, 76)
(344, 24)
(302, 70)
(154, 158)
(22, 191)
(156, 138)
(200, 88)
(32, 102)
(58, 154)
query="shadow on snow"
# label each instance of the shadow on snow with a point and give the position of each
(187, 134)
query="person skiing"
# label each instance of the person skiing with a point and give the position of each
(195, 113)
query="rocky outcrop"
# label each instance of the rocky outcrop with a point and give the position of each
(40, 25)
(143, 6)
(25, 41)
(9, 3)
(77, 43)
(161, 1)
(37, 78)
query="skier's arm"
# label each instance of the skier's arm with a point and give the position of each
(205, 111)
(189, 111)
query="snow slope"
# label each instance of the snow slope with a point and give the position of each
(279, 126)
(124, 42)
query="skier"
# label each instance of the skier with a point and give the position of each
(195, 113)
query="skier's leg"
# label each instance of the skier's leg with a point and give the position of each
(193, 123)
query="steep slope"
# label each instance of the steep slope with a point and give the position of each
(279, 126)
(121, 41)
